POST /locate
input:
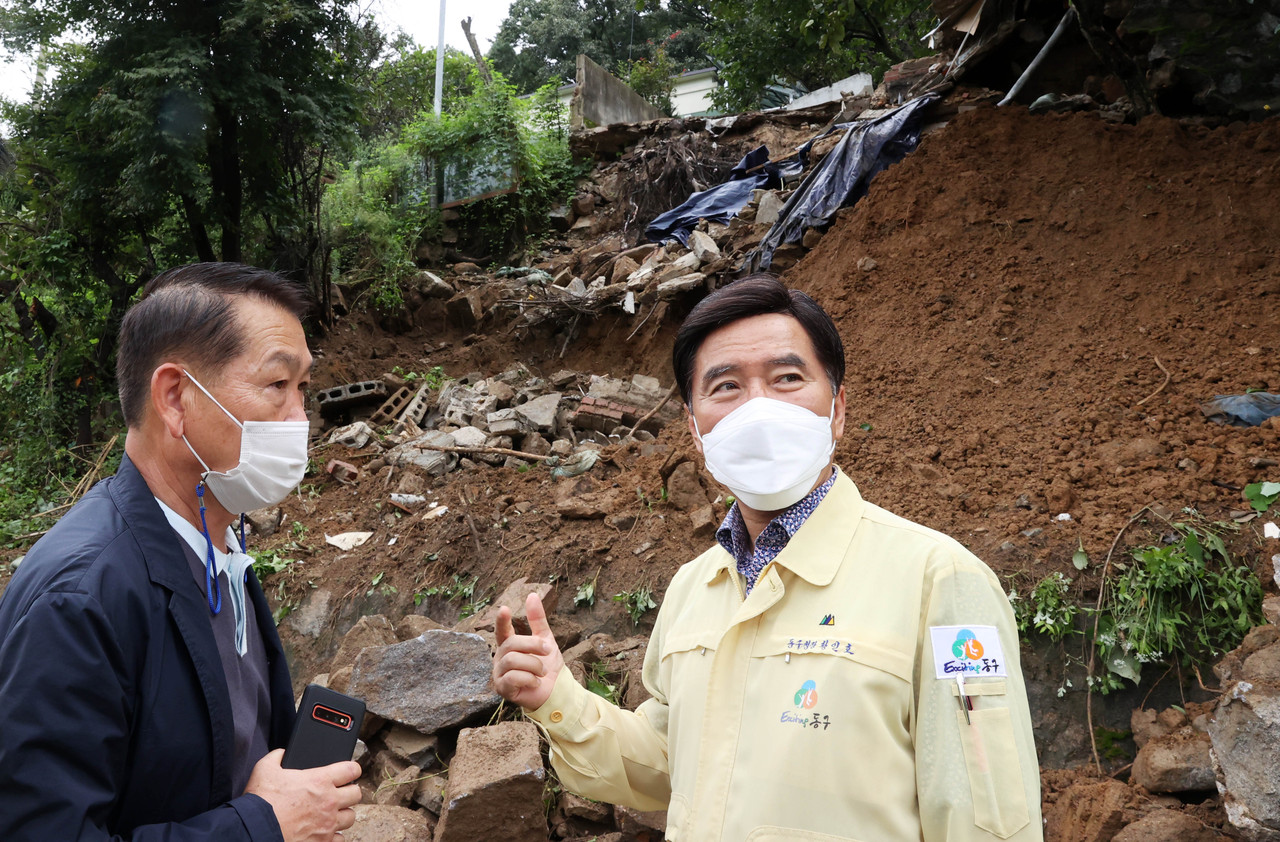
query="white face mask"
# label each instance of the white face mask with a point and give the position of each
(769, 453)
(273, 460)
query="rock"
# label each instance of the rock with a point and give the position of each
(502, 392)
(413, 625)
(375, 823)
(464, 311)
(495, 786)
(682, 265)
(430, 792)
(1165, 825)
(767, 210)
(645, 383)
(561, 218)
(435, 462)
(583, 808)
(416, 749)
(1245, 731)
(1087, 812)
(411, 483)
(513, 598)
(583, 204)
(1145, 726)
(431, 285)
(536, 444)
(469, 437)
(703, 247)
(812, 236)
(397, 791)
(371, 630)
(466, 268)
(540, 413)
(437, 680)
(638, 825)
(704, 522)
(1175, 763)
(312, 614)
(622, 269)
(264, 522)
(681, 285)
(867, 264)
(581, 499)
(684, 490)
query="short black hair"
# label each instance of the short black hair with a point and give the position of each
(756, 295)
(189, 313)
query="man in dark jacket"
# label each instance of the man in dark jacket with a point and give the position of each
(144, 694)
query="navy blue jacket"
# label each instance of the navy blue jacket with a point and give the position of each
(115, 719)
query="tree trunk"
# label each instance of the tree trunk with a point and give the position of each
(224, 172)
(195, 226)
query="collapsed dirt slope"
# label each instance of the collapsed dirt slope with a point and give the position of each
(1028, 272)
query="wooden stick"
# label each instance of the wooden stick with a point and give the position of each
(500, 451)
(1167, 378)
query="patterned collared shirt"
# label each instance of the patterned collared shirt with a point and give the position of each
(733, 536)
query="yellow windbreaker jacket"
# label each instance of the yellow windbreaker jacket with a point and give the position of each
(811, 710)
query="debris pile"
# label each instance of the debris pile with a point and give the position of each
(511, 419)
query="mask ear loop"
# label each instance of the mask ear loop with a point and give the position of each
(211, 588)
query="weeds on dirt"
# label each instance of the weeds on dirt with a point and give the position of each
(586, 594)
(1181, 602)
(459, 588)
(638, 602)
(598, 682)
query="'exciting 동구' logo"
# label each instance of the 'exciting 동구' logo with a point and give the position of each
(807, 695)
(967, 646)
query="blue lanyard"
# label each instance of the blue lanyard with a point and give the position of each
(211, 589)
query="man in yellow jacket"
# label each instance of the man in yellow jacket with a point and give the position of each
(827, 671)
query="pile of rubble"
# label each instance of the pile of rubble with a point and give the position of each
(433, 768)
(512, 419)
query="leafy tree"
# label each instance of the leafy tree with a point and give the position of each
(539, 41)
(404, 85)
(175, 130)
(759, 42)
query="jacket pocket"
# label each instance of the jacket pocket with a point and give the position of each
(995, 775)
(787, 834)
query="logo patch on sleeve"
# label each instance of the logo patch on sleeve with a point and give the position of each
(967, 650)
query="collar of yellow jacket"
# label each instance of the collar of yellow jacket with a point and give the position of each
(814, 553)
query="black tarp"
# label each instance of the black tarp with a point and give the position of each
(722, 202)
(868, 147)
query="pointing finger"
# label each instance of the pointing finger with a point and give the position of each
(538, 626)
(503, 628)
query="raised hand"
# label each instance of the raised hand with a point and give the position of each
(525, 666)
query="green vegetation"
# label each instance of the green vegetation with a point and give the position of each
(1182, 602)
(586, 593)
(598, 682)
(651, 78)
(638, 602)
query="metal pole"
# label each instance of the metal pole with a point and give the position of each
(1039, 59)
(440, 63)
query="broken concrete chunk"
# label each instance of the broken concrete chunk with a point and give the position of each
(437, 680)
(540, 413)
(495, 786)
(768, 208)
(354, 436)
(432, 286)
(681, 285)
(416, 452)
(682, 265)
(470, 437)
(704, 248)
(506, 422)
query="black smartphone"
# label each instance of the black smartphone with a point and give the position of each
(326, 729)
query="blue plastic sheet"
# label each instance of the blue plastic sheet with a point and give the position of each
(867, 148)
(1247, 410)
(722, 202)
